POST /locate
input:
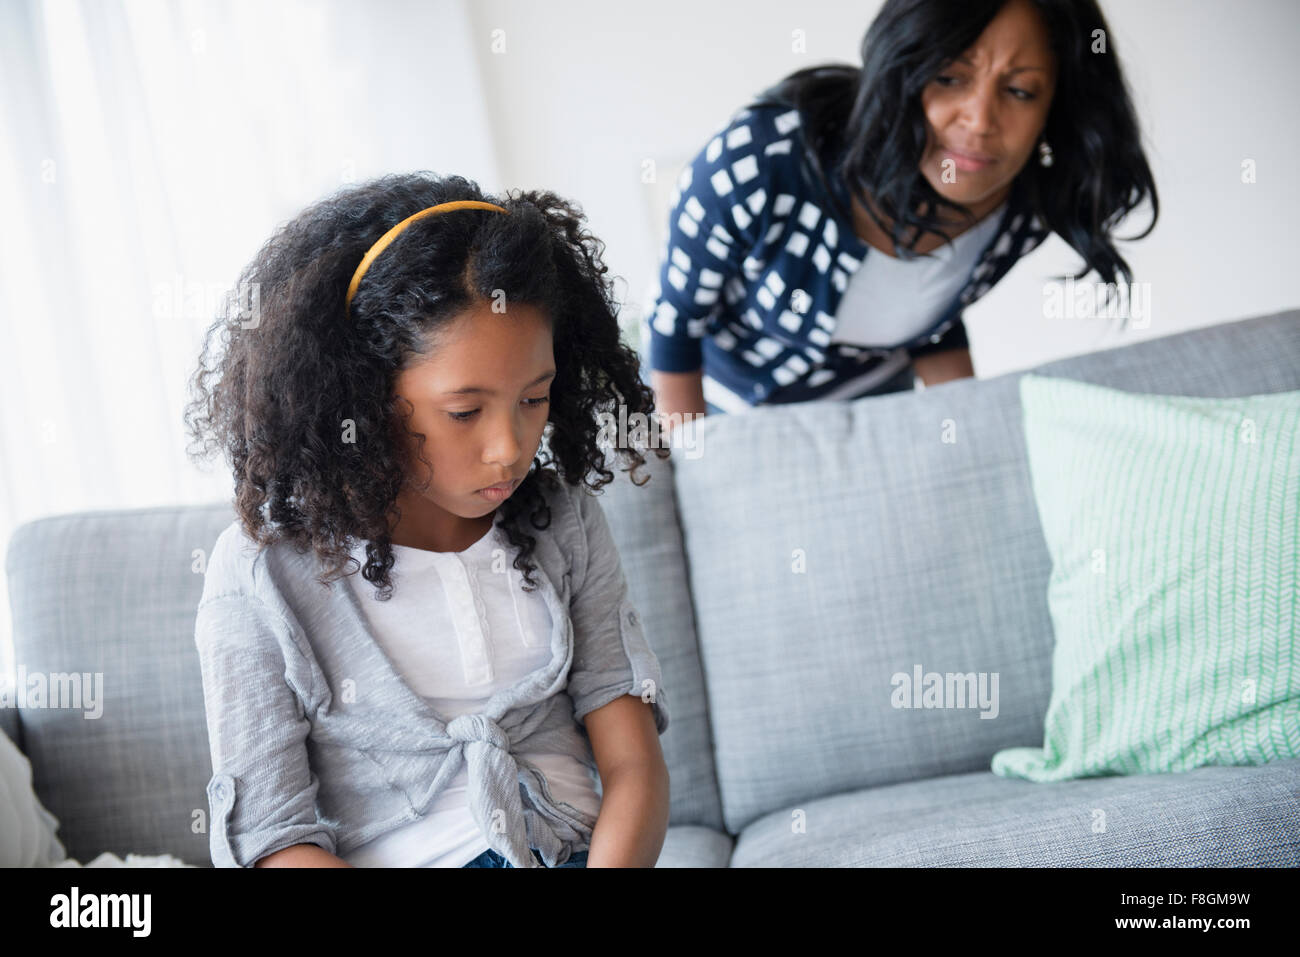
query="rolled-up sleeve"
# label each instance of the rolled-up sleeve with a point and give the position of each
(262, 793)
(712, 227)
(610, 654)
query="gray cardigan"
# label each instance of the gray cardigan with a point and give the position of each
(315, 737)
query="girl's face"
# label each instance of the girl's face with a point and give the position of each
(992, 102)
(481, 400)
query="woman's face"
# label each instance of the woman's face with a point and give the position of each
(481, 399)
(985, 111)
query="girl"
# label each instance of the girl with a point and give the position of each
(415, 395)
(825, 242)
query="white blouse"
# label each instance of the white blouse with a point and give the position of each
(889, 301)
(458, 628)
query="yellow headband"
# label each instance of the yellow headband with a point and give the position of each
(382, 243)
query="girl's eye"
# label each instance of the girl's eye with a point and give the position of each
(466, 416)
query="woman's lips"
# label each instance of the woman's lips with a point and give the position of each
(964, 162)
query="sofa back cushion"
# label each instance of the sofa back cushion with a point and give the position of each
(10, 725)
(842, 552)
(108, 598)
(643, 521)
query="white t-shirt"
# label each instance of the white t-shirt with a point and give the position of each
(889, 301)
(458, 628)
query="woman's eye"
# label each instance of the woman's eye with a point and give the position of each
(542, 401)
(462, 416)
(1020, 94)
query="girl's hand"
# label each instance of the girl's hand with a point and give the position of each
(633, 815)
(302, 855)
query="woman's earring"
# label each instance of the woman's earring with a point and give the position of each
(1044, 153)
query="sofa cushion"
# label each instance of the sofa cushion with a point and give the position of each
(1172, 524)
(114, 594)
(1209, 817)
(835, 546)
(693, 846)
(10, 725)
(643, 522)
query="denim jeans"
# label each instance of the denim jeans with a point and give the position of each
(491, 858)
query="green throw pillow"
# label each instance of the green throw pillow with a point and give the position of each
(1173, 524)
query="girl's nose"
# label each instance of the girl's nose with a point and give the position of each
(505, 442)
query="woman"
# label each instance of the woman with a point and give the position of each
(825, 242)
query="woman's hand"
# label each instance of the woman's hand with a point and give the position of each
(678, 392)
(939, 367)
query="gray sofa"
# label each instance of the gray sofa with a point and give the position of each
(785, 569)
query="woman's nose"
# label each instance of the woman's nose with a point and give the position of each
(979, 109)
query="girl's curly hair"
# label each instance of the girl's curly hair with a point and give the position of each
(301, 399)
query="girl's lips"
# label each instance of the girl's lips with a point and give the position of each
(498, 493)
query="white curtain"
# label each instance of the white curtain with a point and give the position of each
(147, 149)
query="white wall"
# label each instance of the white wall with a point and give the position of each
(586, 91)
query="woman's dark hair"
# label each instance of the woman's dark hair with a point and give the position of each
(294, 371)
(867, 125)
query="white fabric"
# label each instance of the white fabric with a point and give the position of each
(890, 301)
(467, 631)
(27, 837)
